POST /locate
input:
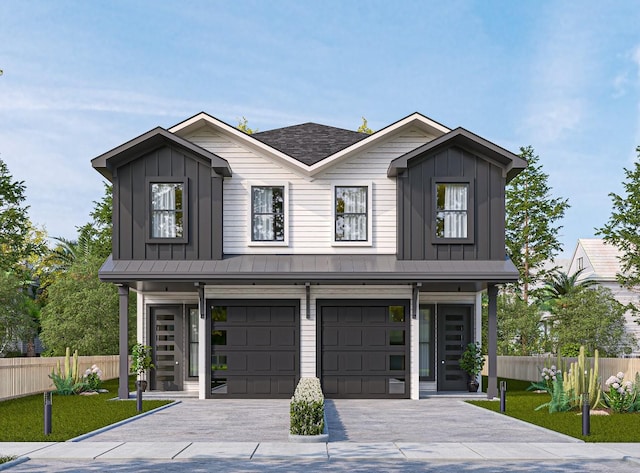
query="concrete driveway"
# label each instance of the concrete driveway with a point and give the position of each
(384, 420)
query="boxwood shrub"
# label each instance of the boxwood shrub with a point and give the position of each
(307, 408)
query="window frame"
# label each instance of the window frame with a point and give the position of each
(369, 214)
(469, 239)
(285, 213)
(185, 209)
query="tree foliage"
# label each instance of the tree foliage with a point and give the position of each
(560, 284)
(18, 313)
(243, 125)
(593, 318)
(16, 246)
(82, 312)
(519, 323)
(364, 128)
(531, 222)
(623, 228)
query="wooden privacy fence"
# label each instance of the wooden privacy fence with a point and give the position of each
(528, 368)
(23, 376)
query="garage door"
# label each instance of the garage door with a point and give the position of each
(254, 348)
(364, 349)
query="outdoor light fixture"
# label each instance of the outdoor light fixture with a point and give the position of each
(307, 287)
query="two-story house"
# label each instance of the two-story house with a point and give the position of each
(308, 250)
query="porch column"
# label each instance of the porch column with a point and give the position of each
(123, 386)
(492, 341)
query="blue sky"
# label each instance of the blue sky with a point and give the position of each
(83, 77)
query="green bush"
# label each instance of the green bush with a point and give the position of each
(307, 408)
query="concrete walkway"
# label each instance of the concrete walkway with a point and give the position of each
(247, 432)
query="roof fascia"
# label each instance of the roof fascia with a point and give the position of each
(152, 139)
(203, 119)
(469, 140)
(415, 119)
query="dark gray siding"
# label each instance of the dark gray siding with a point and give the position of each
(416, 219)
(131, 207)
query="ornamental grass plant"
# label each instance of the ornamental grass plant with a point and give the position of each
(307, 408)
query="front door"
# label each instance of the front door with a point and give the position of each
(166, 337)
(454, 334)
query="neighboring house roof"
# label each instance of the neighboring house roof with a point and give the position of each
(309, 268)
(603, 259)
(147, 142)
(512, 163)
(310, 143)
(332, 155)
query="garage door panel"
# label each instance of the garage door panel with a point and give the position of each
(374, 337)
(259, 337)
(237, 362)
(284, 362)
(351, 362)
(350, 337)
(284, 338)
(351, 315)
(330, 337)
(363, 348)
(283, 315)
(237, 337)
(330, 361)
(258, 362)
(236, 315)
(376, 315)
(376, 361)
(260, 341)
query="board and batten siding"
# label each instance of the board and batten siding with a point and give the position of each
(131, 204)
(416, 214)
(310, 200)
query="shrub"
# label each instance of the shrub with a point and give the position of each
(307, 408)
(93, 378)
(623, 396)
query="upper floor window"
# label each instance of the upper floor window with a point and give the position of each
(268, 213)
(453, 210)
(168, 209)
(352, 213)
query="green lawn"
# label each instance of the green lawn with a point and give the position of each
(521, 405)
(22, 419)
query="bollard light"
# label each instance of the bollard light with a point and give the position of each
(586, 413)
(503, 396)
(138, 396)
(47, 412)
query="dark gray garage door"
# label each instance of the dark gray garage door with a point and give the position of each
(254, 348)
(364, 348)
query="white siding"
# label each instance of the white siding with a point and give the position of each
(310, 200)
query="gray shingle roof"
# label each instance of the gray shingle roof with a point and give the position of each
(309, 143)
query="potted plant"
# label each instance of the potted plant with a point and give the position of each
(141, 362)
(472, 361)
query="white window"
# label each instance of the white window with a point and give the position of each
(268, 213)
(168, 210)
(452, 205)
(352, 214)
